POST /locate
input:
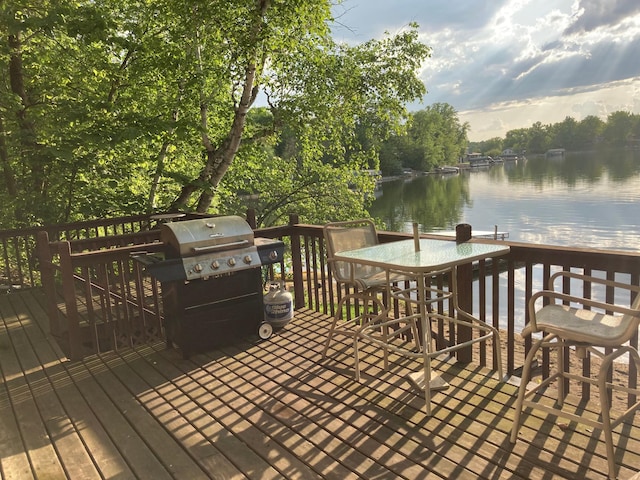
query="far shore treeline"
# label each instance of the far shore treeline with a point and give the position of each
(620, 130)
(434, 137)
(124, 107)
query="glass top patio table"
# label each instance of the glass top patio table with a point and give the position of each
(433, 255)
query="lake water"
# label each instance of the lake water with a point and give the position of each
(586, 200)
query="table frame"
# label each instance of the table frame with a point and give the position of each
(422, 259)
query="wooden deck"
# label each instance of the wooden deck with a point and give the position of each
(265, 410)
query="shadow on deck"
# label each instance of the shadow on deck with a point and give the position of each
(270, 409)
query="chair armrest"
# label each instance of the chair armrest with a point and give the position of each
(584, 302)
(333, 265)
(353, 273)
(591, 279)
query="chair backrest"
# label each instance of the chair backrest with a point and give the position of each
(349, 235)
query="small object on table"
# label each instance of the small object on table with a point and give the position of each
(463, 232)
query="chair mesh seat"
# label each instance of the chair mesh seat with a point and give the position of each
(580, 325)
(378, 279)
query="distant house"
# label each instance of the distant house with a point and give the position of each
(510, 154)
(555, 152)
(478, 160)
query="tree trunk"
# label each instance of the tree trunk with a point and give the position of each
(28, 137)
(219, 158)
(7, 171)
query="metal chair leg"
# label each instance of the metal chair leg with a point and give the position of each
(522, 390)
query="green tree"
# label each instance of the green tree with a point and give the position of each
(398, 152)
(588, 132)
(492, 147)
(564, 134)
(539, 138)
(434, 137)
(619, 128)
(332, 134)
(517, 139)
(440, 134)
(158, 95)
(86, 107)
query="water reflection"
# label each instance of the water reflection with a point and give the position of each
(591, 167)
(433, 201)
(588, 199)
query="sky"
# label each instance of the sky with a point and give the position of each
(506, 64)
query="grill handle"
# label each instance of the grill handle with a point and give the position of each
(224, 246)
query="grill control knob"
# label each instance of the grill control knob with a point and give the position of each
(231, 262)
(273, 255)
(247, 259)
(197, 267)
(215, 264)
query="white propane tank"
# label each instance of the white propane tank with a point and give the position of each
(278, 305)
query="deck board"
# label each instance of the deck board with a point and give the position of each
(64, 377)
(267, 410)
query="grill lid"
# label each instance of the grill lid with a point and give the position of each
(206, 235)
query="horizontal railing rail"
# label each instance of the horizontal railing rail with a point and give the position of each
(19, 260)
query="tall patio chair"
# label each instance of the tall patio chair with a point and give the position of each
(584, 326)
(367, 286)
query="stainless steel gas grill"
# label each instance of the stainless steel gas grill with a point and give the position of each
(211, 280)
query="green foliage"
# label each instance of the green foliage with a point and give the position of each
(620, 129)
(491, 147)
(122, 106)
(276, 187)
(434, 137)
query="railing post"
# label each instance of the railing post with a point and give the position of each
(47, 278)
(68, 290)
(251, 218)
(296, 263)
(465, 302)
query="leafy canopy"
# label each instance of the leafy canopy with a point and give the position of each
(123, 106)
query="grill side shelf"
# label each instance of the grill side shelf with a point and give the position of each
(164, 270)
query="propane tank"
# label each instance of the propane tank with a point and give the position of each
(278, 305)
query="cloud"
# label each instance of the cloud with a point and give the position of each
(598, 13)
(491, 56)
(496, 119)
(516, 67)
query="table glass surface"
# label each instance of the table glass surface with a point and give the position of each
(433, 254)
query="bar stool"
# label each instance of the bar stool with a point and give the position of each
(368, 285)
(594, 328)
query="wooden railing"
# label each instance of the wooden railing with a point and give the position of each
(100, 299)
(19, 260)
